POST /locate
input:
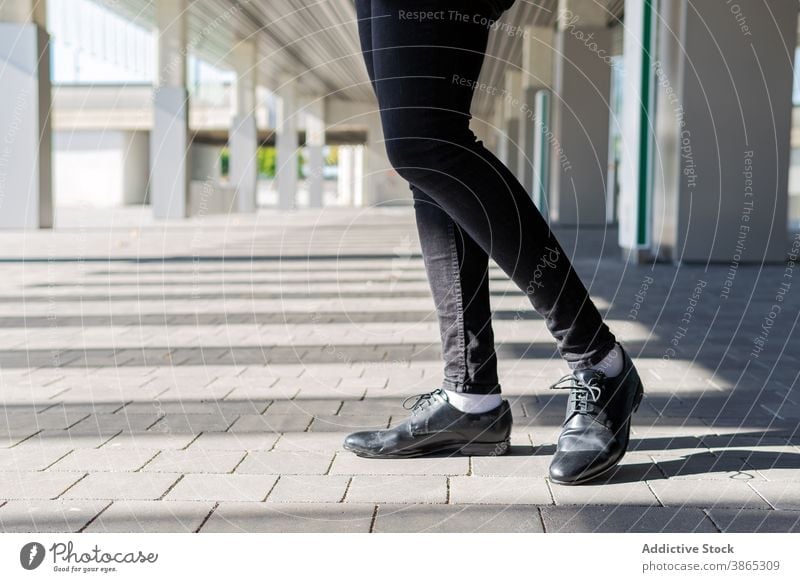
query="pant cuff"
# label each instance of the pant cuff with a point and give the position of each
(588, 360)
(471, 387)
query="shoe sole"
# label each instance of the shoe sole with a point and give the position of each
(636, 402)
(470, 449)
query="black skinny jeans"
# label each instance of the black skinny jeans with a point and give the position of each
(468, 205)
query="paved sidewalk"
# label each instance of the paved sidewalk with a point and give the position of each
(212, 391)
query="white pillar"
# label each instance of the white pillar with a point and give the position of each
(243, 137)
(286, 143)
(498, 141)
(358, 175)
(512, 109)
(344, 186)
(169, 138)
(714, 186)
(25, 138)
(380, 182)
(636, 128)
(315, 142)
(581, 87)
(542, 146)
(537, 75)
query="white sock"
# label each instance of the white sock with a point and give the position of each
(474, 403)
(611, 365)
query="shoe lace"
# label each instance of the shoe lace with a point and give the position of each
(583, 396)
(420, 401)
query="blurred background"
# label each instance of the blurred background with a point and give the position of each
(635, 114)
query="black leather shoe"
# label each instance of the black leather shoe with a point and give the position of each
(597, 428)
(435, 426)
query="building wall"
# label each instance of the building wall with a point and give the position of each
(100, 168)
(738, 115)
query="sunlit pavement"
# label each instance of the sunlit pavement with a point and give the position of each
(201, 376)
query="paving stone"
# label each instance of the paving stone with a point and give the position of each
(299, 442)
(289, 518)
(126, 516)
(458, 519)
(750, 443)
(117, 422)
(707, 466)
(755, 521)
(672, 445)
(77, 410)
(222, 407)
(31, 458)
(397, 489)
(520, 462)
(624, 519)
(777, 463)
(347, 463)
(193, 392)
(40, 516)
(192, 423)
(12, 438)
(262, 393)
(49, 419)
(780, 494)
(540, 436)
(149, 440)
(343, 392)
(35, 485)
(369, 382)
(222, 488)
(68, 438)
(307, 406)
(691, 493)
(284, 463)
(644, 430)
(195, 461)
(372, 406)
(604, 493)
(500, 490)
(129, 486)
(94, 460)
(309, 488)
(272, 424)
(252, 441)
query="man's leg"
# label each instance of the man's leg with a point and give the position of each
(467, 414)
(458, 273)
(457, 270)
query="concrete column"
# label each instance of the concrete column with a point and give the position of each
(380, 182)
(639, 56)
(719, 170)
(582, 81)
(498, 142)
(243, 139)
(358, 175)
(537, 75)
(542, 145)
(344, 185)
(315, 142)
(512, 113)
(286, 143)
(169, 138)
(25, 134)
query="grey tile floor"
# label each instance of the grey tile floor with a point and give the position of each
(211, 391)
